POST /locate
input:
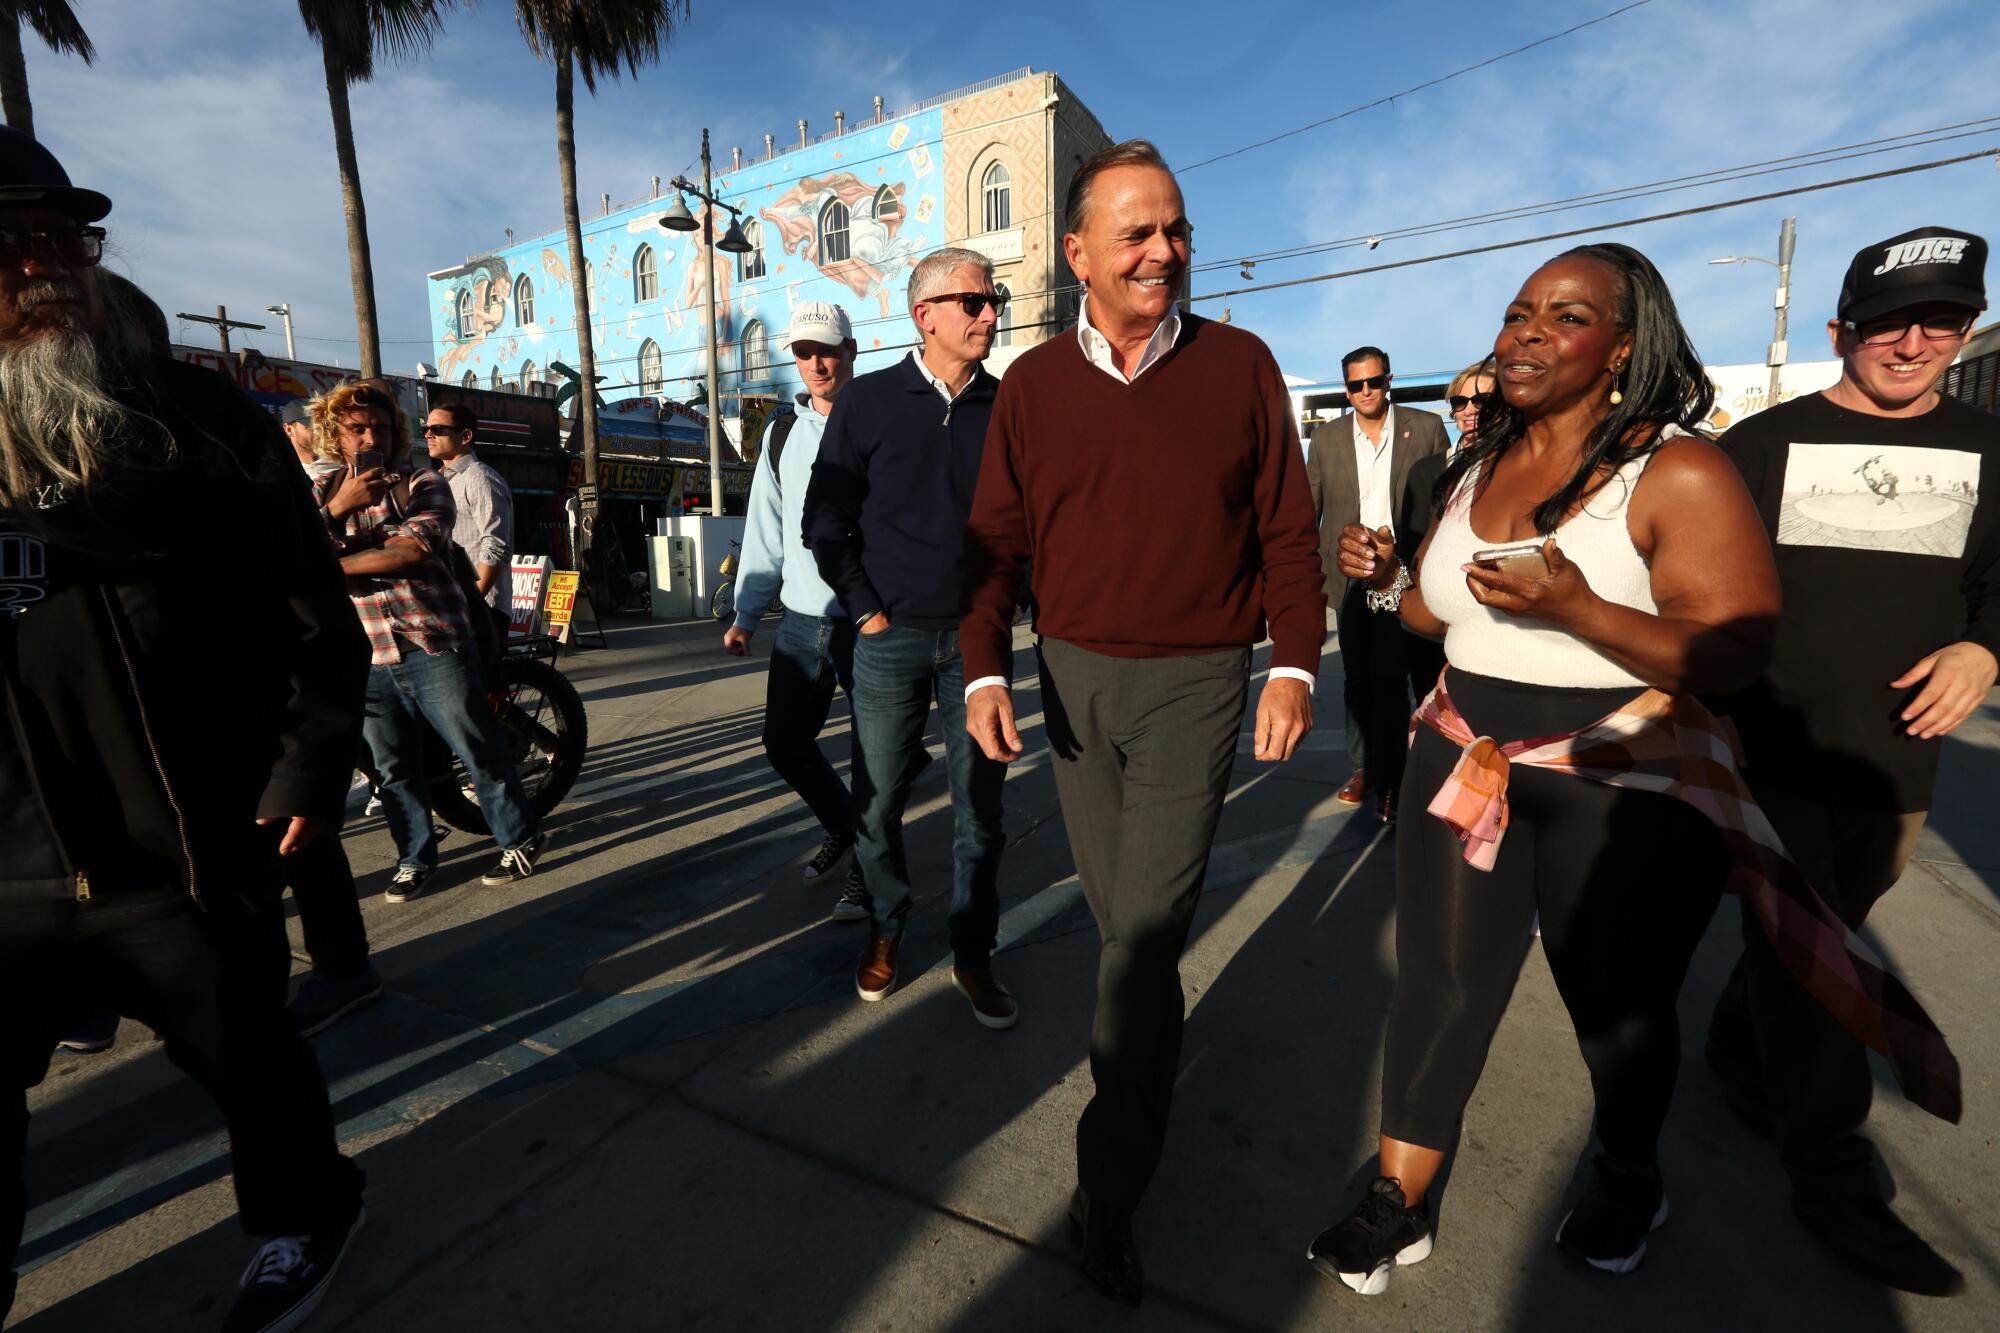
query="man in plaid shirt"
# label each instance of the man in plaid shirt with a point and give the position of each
(393, 535)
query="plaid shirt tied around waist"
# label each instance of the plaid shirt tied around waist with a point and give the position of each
(422, 605)
(1671, 744)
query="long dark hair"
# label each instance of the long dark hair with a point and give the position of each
(1663, 385)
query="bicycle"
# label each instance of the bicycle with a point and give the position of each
(542, 717)
(722, 602)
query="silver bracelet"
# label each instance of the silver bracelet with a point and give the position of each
(1390, 599)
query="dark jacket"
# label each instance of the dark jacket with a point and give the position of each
(891, 490)
(178, 658)
(1336, 484)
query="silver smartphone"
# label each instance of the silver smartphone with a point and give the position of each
(1521, 558)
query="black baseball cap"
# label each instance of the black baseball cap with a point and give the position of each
(1930, 264)
(30, 174)
(294, 413)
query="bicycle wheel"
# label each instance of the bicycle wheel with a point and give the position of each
(722, 603)
(542, 719)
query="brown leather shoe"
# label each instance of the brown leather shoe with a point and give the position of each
(876, 976)
(1354, 789)
(992, 1003)
(1386, 807)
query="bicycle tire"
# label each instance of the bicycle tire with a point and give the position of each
(722, 602)
(547, 735)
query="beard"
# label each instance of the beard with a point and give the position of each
(60, 423)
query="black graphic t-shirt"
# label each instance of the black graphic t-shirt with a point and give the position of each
(1887, 551)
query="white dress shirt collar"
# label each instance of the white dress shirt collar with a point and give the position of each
(1097, 348)
(944, 390)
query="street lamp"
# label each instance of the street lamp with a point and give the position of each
(1775, 359)
(677, 218)
(284, 310)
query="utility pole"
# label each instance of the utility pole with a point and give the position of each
(284, 310)
(714, 338)
(1786, 235)
(223, 323)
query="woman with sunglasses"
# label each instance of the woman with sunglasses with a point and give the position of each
(1471, 389)
(1638, 565)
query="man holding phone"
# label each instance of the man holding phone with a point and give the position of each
(1359, 469)
(393, 536)
(1875, 495)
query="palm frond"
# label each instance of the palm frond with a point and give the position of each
(602, 37)
(55, 23)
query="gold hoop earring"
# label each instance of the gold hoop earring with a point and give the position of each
(1616, 397)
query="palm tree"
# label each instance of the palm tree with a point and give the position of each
(589, 38)
(351, 33)
(58, 27)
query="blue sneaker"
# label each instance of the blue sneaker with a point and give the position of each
(324, 1001)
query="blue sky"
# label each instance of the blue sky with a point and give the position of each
(206, 121)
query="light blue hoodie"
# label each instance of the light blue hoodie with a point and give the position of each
(775, 557)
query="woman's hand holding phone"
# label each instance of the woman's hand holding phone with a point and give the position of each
(1537, 582)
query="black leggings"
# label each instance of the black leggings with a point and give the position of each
(1625, 882)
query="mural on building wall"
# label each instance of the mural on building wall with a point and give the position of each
(885, 178)
(486, 280)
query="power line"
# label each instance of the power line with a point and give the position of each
(1603, 226)
(1717, 176)
(1417, 88)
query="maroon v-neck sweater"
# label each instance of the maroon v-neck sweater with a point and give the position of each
(1163, 518)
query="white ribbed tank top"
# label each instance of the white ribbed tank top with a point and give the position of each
(1487, 642)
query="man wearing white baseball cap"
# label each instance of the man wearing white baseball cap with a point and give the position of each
(814, 648)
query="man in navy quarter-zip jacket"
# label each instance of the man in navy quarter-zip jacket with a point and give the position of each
(885, 520)
(180, 706)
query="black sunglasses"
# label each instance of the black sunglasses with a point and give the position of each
(441, 430)
(1459, 400)
(971, 302)
(72, 247)
(1372, 382)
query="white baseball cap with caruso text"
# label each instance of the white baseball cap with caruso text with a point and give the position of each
(819, 322)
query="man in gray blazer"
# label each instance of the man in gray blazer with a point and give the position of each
(1359, 468)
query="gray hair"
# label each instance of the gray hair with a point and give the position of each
(928, 279)
(60, 423)
(1131, 153)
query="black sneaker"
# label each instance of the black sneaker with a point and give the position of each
(854, 903)
(286, 1279)
(1608, 1227)
(831, 861)
(1865, 1235)
(1379, 1234)
(409, 882)
(324, 1001)
(91, 1035)
(516, 864)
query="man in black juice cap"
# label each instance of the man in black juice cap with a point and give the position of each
(1874, 492)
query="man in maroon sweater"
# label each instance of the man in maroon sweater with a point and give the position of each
(1149, 468)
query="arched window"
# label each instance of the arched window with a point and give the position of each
(464, 314)
(529, 375)
(590, 284)
(887, 205)
(651, 378)
(833, 232)
(996, 199)
(756, 353)
(524, 301)
(751, 263)
(645, 275)
(1003, 331)
(471, 380)
(498, 381)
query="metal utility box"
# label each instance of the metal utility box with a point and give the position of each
(672, 559)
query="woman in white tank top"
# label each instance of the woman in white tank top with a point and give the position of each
(1658, 575)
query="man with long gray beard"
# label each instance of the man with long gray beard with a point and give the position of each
(150, 792)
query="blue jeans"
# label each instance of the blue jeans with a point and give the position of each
(809, 655)
(897, 674)
(445, 690)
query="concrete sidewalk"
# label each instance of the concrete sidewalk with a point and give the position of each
(636, 1091)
